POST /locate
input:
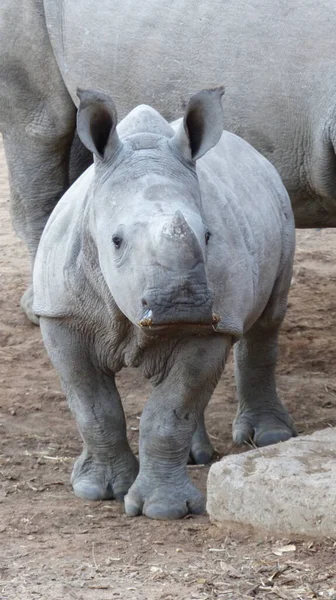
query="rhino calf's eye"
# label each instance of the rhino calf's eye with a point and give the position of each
(117, 241)
(207, 236)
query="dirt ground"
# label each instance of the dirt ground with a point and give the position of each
(54, 546)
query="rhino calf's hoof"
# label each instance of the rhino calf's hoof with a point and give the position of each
(263, 429)
(201, 451)
(201, 455)
(94, 480)
(166, 502)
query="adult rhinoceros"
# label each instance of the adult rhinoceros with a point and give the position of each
(175, 244)
(276, 59)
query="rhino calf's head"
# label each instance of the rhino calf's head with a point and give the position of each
(145, 212)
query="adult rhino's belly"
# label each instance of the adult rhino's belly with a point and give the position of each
(144, 53)
(140, 53)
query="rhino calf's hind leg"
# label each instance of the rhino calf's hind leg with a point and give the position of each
(107, 467)
(201, 451)
(261, 417)
(163, 489)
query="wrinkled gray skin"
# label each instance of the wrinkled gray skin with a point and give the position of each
(147, 263)
(276, 60)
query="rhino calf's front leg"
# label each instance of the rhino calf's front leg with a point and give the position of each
(107, 467)
(163, 489)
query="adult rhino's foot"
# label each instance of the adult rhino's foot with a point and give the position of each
(165, 501)
(93, 479)
(263, 427)
(26, 304)
(201, 451)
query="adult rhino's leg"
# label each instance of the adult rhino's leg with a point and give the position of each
(261, 417)
(41, 168)
(37, 121)
(107, 467)
(38, 167)
(162, 489)
(80, 159)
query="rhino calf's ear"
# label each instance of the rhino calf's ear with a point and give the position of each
(96, 123)
(202, 126)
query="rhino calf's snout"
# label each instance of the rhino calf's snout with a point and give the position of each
(177, 305)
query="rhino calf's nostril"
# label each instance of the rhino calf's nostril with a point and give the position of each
(144, 302)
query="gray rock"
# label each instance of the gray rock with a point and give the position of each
(285, 488)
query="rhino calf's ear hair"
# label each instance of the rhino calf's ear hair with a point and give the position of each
(96, 123)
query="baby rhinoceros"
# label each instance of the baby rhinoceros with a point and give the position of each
(174, 245)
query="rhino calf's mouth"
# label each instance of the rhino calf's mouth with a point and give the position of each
(147, 323)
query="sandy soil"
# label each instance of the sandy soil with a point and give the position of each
(55, 546)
